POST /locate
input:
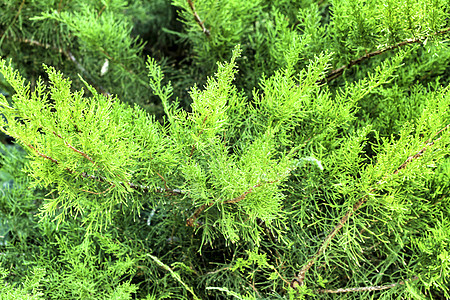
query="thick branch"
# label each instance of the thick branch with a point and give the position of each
(338, 72)
(298, 280)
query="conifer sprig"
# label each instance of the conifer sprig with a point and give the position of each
(277, 173)
(137, 187)
(191, 220)
(338, 72)
(299, 279)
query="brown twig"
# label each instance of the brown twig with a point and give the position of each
(101, 11)
(165, 182)
(366, 288)
(428, 144)
(166, 189)
(338, 72)
(59, 6)
(18, 12)
(298, 280)
(191, 220)
(43, 155)
(279, 275)
(75, 149)
(242, 197)
(197, 18)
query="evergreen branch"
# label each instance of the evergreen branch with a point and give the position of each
(17, 14)
(217, 271)
(279, 275)
(338, 72)
(429, 143)
(298, 280)
(174, 274)
(411, 158)
(74, 149)
(72, 58)
(67, 54)
(229, 293)
(13, 21)
(43, 155)
(199, 134)
(112, 59)
(99, 193)
(242, 197)
(366, 288)
(197, 18)
(136, 187)
(191, 220)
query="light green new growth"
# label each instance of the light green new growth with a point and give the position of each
(314, 161)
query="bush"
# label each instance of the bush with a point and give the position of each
(315, 160)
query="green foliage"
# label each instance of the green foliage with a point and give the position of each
(87, 37)
(31, 285)
(314, 161)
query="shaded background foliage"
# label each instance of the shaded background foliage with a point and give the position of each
(333, 140)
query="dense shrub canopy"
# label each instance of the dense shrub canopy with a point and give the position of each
(224, 149)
